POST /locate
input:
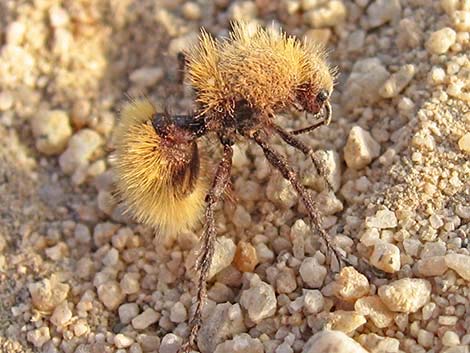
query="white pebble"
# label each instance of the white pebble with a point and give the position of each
(313, 301)
(130, 283)
(241, 344)
(15, 33)
(459, 263)
(450, 339)
(145, 319)
(440, 41)
(333, 13)
(58, 16)
(383, 11)
(170, 343)
(406, 295)
(259, 300)
(312, 273)
(122, 341)
(327, 341)
(80, 150)
(386, 257)
(52, 131)
(61, 315)
(6, 100)
(146, 76)
(360, 148)
(397, 82)
(383, 219)
(110, 294)
(178, 313)
(39, 336)
(127, 312)
(464, 143)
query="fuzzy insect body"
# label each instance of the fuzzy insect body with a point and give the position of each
(267, 70)
(240, 84)
(161, 173)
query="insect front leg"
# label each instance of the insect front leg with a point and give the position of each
(221, 180)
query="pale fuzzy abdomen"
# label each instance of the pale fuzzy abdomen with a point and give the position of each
(145, 175)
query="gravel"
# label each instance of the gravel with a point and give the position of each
(79, 276)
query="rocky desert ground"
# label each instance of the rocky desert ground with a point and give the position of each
(78, 276)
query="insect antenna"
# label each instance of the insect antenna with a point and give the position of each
(325, 120)
(203, 263)
(280, 163)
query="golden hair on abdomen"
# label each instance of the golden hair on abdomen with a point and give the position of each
(158, 187)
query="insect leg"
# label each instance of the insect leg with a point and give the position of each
(280, 163)
(293, 141)
(221, 179)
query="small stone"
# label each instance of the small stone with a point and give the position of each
(47, 294)
(383, 11)
(130, 283)
(127, 312)
(461, 20)
(82, 234)
(57, 252)
(370, 236)
(362, 86)
(148, 342)
(356, 40)
(110, 294)
(285, 281)
(383, 219)
(432, 266)
(226, 320)
(425, 338)
(378, 344)
(80, 328)
(440, 41)
(123, 341)
(242, 11)
(259, 300)
(81, 148)
(360, 149)
(6, 100)
(241, 344)
(241, 218)
(345, 321)
(313, 301)
(111, 258)
(178, 313)
(264, 253)
(224, 253)
(39, 336)
(410, 34)
(145, 319)
(405, 295)
(462, 211)
(61, 315)
(328, 341)
(318, 35)
(58, 16)
(464, 143)
(146, 76)
(450, 339)
(351, 284)
(375, 309)
(170, 343)
(191, 11)
(15, 32)
(284, 348)
(459, 263)
(312, 273)
(397, 82)
(182, 43)
(386, 257)
(246, 258)
(331, 14)
(52, 131)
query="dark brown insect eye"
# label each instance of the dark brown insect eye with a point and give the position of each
(322, 96)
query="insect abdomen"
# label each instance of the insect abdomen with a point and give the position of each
(160, 175)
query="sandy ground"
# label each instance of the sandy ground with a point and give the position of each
(77, 275)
